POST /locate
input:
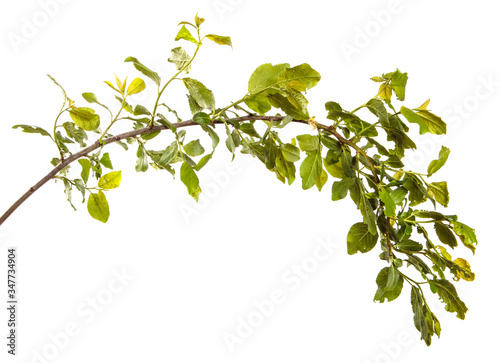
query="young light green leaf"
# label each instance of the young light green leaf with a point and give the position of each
(201, 94)
(85, 163)
(194, 148)
(91, 98)
(437, 164)
(299, 78)
(321, 180)
(290, 152)
(310, 169)
(84, 117)
(308, 142)
(220, 39)
(181, 59)
(98, 207)
(398, 84)
(359, 239)
(265, 77)
(110, 180)
(390, 205)
(136, 86)
(258, 103)
(144, 70)
(106, 161)
(190, 180)
(185, 34)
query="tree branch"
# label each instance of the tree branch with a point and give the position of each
(134, 133)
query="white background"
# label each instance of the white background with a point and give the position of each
(196, 277)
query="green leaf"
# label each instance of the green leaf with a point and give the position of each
(76, 133)
(84, 117)
(366, 209)
(299, 78)
(340, 188)
(201, 94)
(437, 164)
(190, 180)
(416, 189)
(398, 195)
(264, 77)
(194, 148)
(331, 144)
(201, 118)
(346, 160)
(445, 235)
(308, 142)
(220, 39)
(106, 161)
(429, 214)
(144, 70)
(136, 86)
(258, 103)
(278, 101)
(110, 180)
(439, 191)
(249, 129)
(185, 34)
(434, 123)
(378, 109)
(98, 207)
(466, 234)
(421, 312)
(390, 205)
(449, 296)
(290, 152)
(409, 245)
(398, 84)
(310, 169)
(169, 154)
(142, 159)
(360, 239)
(32, 130)
(415, 118)
(181, 59)
(213, 135)
(389, 283)
(85, 163)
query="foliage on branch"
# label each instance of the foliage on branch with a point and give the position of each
(364, 159)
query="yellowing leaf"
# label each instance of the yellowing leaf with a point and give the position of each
(465, 272)
(111, 180)
(136, 86)
(385, 92)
